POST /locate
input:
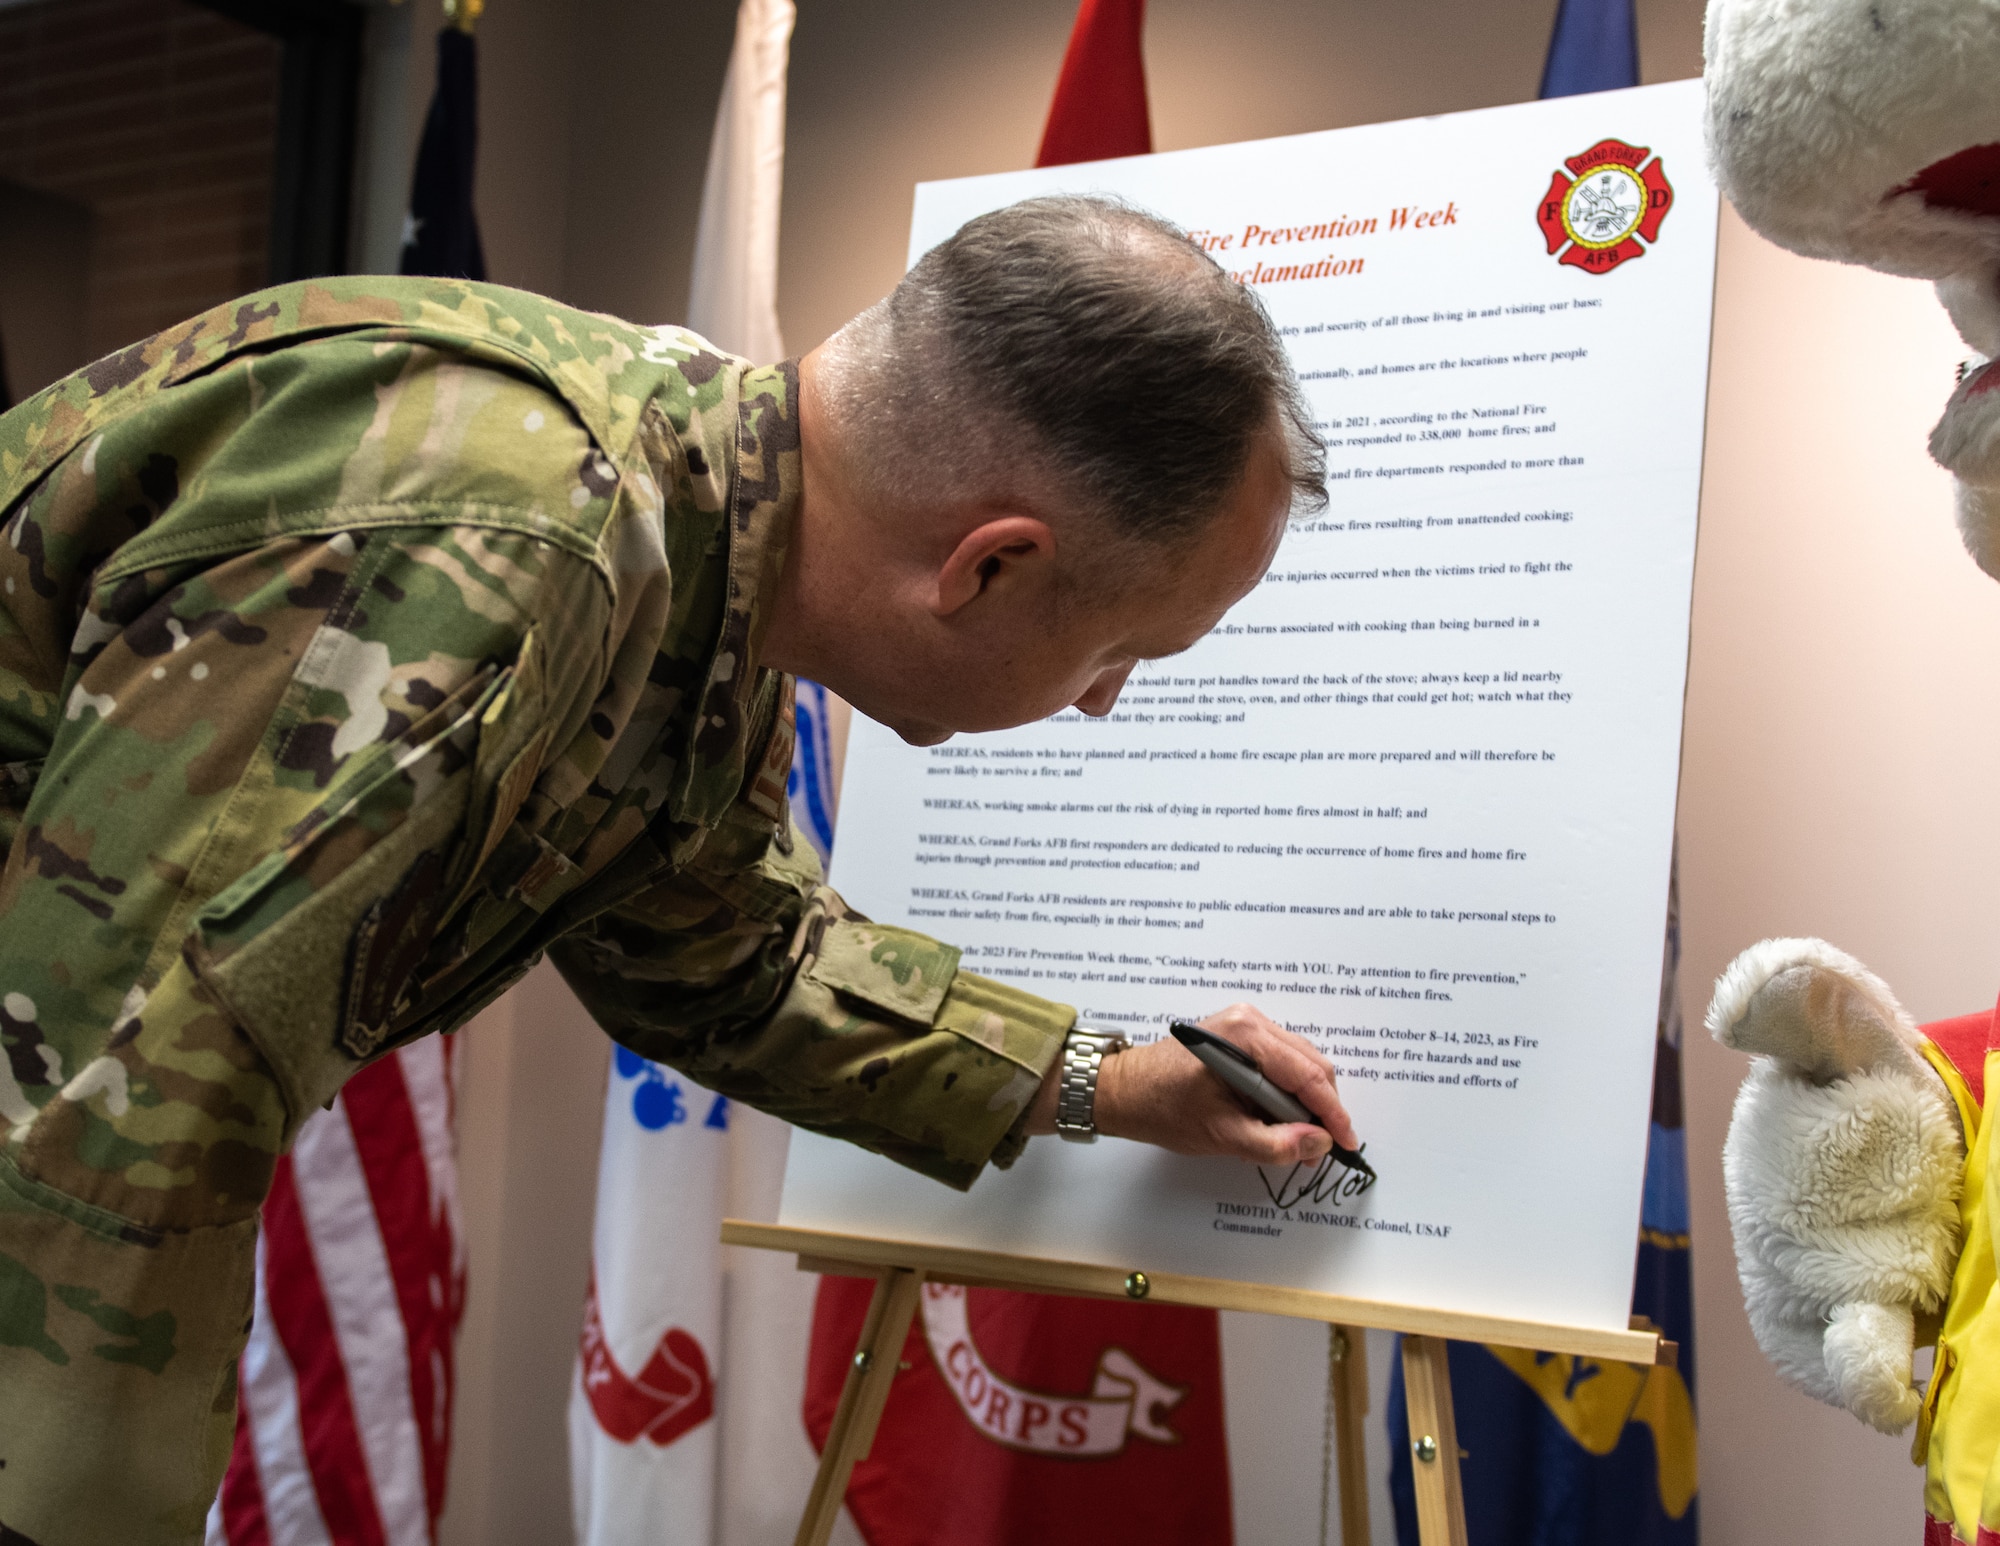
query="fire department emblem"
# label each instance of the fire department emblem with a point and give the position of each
(1606, 207)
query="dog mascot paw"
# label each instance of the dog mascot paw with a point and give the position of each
(1842, 1170)
(1868, 131)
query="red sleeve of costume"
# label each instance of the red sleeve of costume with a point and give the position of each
(1965, 1040)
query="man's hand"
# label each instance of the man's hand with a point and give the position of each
(1160, 1094)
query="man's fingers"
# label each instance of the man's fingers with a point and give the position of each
(1160, 1094)
(1290, 1062)
(1309, 1143)
(1284, 1143)
(1305, 1074)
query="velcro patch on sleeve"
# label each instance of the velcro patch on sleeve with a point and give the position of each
(899, 971)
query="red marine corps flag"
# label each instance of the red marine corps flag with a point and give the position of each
(1028, 1417)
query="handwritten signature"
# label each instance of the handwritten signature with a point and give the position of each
(1328, 1181)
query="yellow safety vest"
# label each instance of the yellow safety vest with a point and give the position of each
(1958, 1433)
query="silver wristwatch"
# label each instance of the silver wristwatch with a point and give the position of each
(1083, 1055)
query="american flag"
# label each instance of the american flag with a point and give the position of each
(343, 1418)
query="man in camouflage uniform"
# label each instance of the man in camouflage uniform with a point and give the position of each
(360, 642)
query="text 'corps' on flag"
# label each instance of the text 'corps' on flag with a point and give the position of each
(1027, 1417)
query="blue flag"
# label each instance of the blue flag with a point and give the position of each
(1564, 1451)
(440, 232)
(810, 785)
(1595, 48)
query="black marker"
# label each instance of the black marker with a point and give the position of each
(1239, 1071)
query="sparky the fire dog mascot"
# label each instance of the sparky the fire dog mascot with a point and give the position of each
(1862, 1173)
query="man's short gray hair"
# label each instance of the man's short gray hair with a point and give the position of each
(1080, 339)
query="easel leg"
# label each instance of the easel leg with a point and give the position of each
(1348, 1373)
(1433, 1440)
(862, 1398)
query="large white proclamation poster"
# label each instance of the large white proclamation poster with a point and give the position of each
(1415, 796)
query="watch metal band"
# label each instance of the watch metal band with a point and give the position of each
(1084, 1052)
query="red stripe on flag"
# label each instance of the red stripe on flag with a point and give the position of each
(243, 1520)
(1099, 109)
(417, 1239)
(299, 1313)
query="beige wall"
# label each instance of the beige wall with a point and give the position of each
(530, 1104)
(1842, 719)
(1843, 728)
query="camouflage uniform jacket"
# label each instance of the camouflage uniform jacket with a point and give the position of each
(359, 642)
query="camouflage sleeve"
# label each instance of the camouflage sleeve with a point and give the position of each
(748, 973)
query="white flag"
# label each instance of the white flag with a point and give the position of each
(642, 1440)
(733, 300)
(669, 1335)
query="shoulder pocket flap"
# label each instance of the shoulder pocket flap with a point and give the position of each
(897, 970)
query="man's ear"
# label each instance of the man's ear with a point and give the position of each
(998, 554)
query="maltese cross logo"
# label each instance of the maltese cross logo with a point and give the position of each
(1607, 207)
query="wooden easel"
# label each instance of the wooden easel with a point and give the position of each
(900, 1268)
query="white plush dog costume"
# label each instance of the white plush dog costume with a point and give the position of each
(1869, 131)
(1866, 131)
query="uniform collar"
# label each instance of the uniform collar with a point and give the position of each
(765, 481)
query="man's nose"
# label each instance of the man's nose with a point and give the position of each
(1103, 694)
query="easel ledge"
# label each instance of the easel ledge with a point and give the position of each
(868, 1256)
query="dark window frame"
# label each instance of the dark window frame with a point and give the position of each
(319, 95)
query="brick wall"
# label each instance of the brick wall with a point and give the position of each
(159, 117)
